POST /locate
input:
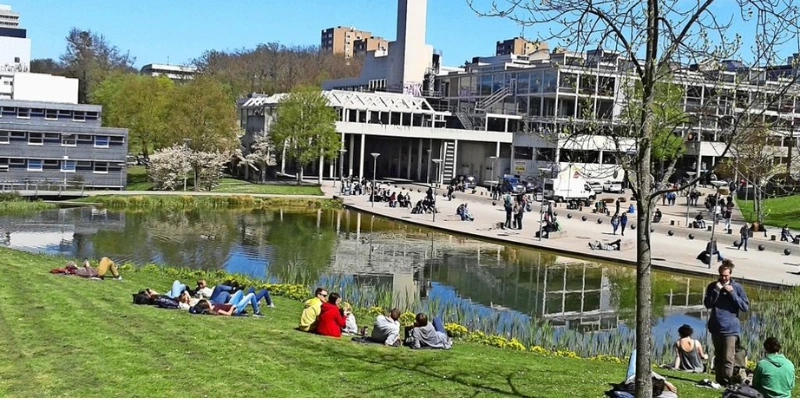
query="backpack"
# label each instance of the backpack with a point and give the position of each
(741, 392)
(165, 302)
(528, 207)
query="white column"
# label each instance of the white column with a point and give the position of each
(350, 154)
(361, 161)
(408, 164)
(455, 160)
(419, 161)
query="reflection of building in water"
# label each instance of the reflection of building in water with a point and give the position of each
(57, 229)
(686, 301)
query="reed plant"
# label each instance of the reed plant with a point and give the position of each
(185, 201)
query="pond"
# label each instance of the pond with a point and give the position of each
(541, 297)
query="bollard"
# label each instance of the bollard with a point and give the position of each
(583, 218)
(787, 251)
(691, 236)
(772, 238)
(672, 222)
(737, 243)
(599, 220)
(569, 216)
(761, 247)
(670, 232)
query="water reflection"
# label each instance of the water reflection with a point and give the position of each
(348, 249)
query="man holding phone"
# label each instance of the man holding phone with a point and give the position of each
(725, 298)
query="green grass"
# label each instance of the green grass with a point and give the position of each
(20, 206)
(65, 336)
(777, 211)
(137, 181)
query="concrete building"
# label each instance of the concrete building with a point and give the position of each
(372, 43)
(8, 18)
(174, 72)
(518, 46)
(15, 47)
(59, 142)
(343, 40)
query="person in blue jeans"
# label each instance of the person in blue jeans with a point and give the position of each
(744, 234)
(238, 303)
(176, 290)
(262, 294)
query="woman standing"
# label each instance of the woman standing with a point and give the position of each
(623, 222)
(615, 223)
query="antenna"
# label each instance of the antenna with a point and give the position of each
(522, 33)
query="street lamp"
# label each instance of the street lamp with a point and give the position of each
(374, 169)
(717, 185)
(428, 172)
(341, 168)
(437, 161)
(688, 195)
(492, 183)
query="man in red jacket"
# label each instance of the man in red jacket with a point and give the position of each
(331, 318)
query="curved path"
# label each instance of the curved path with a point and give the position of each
(672, 253)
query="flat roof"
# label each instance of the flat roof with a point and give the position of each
(368, 101)
(51, 105)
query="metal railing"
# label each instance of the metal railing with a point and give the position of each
(34, 188)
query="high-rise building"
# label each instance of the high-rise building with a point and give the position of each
(342, 40)
(371, 43)
(15, 47)
(518, 46)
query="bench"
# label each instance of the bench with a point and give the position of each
(553, 235)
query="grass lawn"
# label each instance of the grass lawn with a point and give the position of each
(63, 336)
(778, 211)
(137, 181)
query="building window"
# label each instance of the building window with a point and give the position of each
(68, 140)
(523, 153)
(51, 114)
(35, 138)
(4, 137)
(79, 116)
(67, 166)
(101, 141)
(23, 113)
(100, 167)
(34, 165)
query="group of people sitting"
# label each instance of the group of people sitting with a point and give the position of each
(87, 271)
(425, 206)
(463, 212)
(326, 315)
(226, 299)
(393, 198)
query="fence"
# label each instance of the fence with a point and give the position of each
(35, 188)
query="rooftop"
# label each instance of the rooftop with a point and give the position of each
(373, 101)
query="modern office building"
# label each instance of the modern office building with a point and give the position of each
(15, 47)
(174, 72)
(519, 46)
(344, 40)
(59, 142)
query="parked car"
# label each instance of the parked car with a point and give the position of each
(469, 181)
(512, 184)
(613, 187)
(596, 186)
(531, 187)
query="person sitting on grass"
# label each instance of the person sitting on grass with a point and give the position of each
(689, 354)
(423, 334)
(311, 310)
(105, 266)
(386, 329)
(774, 374)
(350, 327)
(332, 318)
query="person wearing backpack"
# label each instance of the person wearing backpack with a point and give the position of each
(774, 374)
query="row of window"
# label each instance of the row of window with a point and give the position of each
(49, 114)
(66, 139)
(98, 167)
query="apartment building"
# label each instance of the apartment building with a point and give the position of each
(518, 46)
(175, 72)
(59, 142)
(372, 43)
(342, 40)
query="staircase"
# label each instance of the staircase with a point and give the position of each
(466, 120)
(449, 163)
(493, 99)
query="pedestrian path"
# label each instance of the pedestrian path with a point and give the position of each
(674, 252)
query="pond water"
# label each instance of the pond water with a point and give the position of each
(543, 297)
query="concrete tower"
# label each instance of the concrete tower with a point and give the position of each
(409, 56)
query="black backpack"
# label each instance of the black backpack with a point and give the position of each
(741, 392)
(166, 302)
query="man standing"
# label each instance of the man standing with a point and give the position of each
(725, 298)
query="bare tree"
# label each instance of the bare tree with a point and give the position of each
(655, 42)
(90, 57)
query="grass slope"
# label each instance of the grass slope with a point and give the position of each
(70, 337)
(779, 211)
(137, 181)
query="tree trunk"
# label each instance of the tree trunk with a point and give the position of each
(643, 285)
(196, 179)
(320, 169)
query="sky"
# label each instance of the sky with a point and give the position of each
(178, 31)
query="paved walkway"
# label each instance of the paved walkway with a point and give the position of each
(674, 253)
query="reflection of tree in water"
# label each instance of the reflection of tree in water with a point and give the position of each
(205, 238)
(301, 250)
(623, 293)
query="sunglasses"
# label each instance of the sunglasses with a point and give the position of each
(323, 294)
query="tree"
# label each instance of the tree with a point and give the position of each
(169, 166)
(139, 103)
(755, 160)
(47, 66)
(258, 155)
(90, 58)
(202, 115)
(655, 41)
(305, 128)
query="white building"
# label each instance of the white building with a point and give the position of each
(174, 72)
(15, 47)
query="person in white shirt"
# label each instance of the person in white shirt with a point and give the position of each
(203, 291)
(185, 302)
(386, 329)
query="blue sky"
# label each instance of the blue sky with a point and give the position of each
(180, 30)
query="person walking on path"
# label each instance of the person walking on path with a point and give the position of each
(726, 214)
(615, 223)
(617, 210)
(623, 222)
(725, 298)
(744, 234)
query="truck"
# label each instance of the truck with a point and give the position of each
(566, 188)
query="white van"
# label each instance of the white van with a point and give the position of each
(562, 190)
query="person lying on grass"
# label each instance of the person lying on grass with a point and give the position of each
(87, 271)
(331, 318)
(423, 334)
(221, 293)
(236, 306)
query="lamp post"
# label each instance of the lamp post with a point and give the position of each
(374, 169)
(492, 183)
(186, 142)
(428, 172)
(341, 168)
(688, 197)
(437, 162)
(716, 185)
